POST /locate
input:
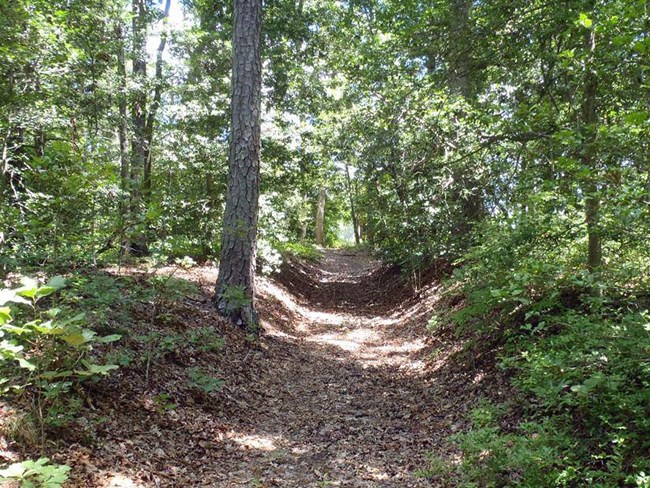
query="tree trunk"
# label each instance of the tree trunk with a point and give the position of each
(320, 217)
(235, 288)
(155, 105)
(122, 129)
(353, 208)
(459, 57)
(13, 164)
(589, 121)
(137, 243)
(460, 74)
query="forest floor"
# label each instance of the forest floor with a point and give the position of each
(344, 388)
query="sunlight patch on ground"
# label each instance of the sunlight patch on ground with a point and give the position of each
(335, 340)
(251, 441)
(376, 473)
(323, 317)
(288, 301)
(120, 481)
(405, 347)
(360, 335)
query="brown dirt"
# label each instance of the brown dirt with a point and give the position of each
(343, 389)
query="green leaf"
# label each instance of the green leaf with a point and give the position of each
(48, 328)
(80, 317)
(93, 369)
(78, 337)
(13, 471)
(57, 282)
(53, 312)
(44, 291)
(585, 21)
(9, 349)
(10, 296)
(23, 363)
(5, 315)
(109, 338)
(50, 375)
(15, 329)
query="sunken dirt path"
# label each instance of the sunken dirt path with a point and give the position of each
(351, 408)
(337, 392)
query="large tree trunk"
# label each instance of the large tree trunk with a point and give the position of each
(235, 289)
(320, 217)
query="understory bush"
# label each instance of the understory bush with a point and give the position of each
(46, 349)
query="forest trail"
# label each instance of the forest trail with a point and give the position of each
(339, 391)
(351, 408)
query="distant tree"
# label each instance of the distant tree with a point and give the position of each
(235, 287)
(320, 217)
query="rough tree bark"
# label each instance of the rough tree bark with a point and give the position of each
(235, 288)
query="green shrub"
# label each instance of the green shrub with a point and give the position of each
(45, 350)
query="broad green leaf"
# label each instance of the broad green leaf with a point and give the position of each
(7, 296)
(44, 291)
(80, 317)
(13, 471)
(9, 349)
(53, 312)
(585, 21)
(29, 288)
(77, 337)
(16, 330)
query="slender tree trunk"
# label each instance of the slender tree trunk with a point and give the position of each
(155, 105)
(13, 159)
(320, 217)
(138, 244)
(588, 156)
(235, 288)
(122, 127)
(353, 208)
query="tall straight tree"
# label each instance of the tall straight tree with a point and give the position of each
(235, 289)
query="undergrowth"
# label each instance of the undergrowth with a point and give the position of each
(577, 346)
(60, 336)
(304, 251)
